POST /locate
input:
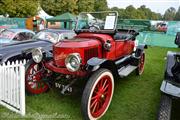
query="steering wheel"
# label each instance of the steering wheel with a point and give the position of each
(94, 25)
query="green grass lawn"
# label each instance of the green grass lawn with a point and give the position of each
(135, 97)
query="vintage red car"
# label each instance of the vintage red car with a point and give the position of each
(162, 27)
(100, 53)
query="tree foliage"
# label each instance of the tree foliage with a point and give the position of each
(100, 5)
(19, 8)
(177, 16)
(85, 5)
(170, 14)
(141, 13)
(28, 8)
(57, 7)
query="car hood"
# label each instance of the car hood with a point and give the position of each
(18, 47)
(3, 41)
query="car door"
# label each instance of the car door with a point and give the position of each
(123, 46)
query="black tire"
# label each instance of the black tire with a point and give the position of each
(164, 112)
(177, 39)
(89, 90)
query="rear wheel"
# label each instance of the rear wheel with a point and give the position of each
(33, 79)
(97, 94)
(140, 68)
(165, 108)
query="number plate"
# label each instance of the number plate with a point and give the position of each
(61, 86)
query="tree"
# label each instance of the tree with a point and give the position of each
(148, 14)
(57, 7)
(100, 5)
(177, 16)
(19, 8)
(170, 13)
(141, 13)
(132, 13)
(85, 5)
(119, 10)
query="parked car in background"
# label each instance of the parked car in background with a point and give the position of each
(44, 39)
(162, 27)
(15, 35)
(1, 29)
(177, 39)
(170, 87)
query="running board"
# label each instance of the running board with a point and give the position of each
(125, 71)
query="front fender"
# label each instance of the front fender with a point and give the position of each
(5, 58)
(95, 63)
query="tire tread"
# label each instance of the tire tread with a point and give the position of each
(165, 108)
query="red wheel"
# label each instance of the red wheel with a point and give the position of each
(140, 68)
(34, 75)
(97, 94)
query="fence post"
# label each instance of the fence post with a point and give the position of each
(22, 89)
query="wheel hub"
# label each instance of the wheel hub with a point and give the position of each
(102, 96)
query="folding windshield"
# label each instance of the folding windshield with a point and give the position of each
(45, 35)
(97, 22)
(7, 34)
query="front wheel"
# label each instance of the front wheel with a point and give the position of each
(165, 108)
(140, 68)
(33, 78)
(97, 94)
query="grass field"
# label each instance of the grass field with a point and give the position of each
(135, 97)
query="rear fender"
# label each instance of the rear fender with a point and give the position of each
(169, 64)
(177, 39)
(140, 49)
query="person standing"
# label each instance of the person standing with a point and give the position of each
(41, 25)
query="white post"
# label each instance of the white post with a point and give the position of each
(22, 90)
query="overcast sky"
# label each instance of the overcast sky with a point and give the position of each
(159, 6)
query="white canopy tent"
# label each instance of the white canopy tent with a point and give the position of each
(43, 14)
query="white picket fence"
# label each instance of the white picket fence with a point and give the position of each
(12, 86)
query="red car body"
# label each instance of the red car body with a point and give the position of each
(99, 53)
(162, 27)
(88, 45)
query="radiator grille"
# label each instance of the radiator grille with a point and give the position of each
(89, 53)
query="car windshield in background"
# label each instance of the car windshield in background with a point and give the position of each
(50, 36)
(7, 34)
(97, 21)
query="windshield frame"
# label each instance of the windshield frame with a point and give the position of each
(77, 30)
